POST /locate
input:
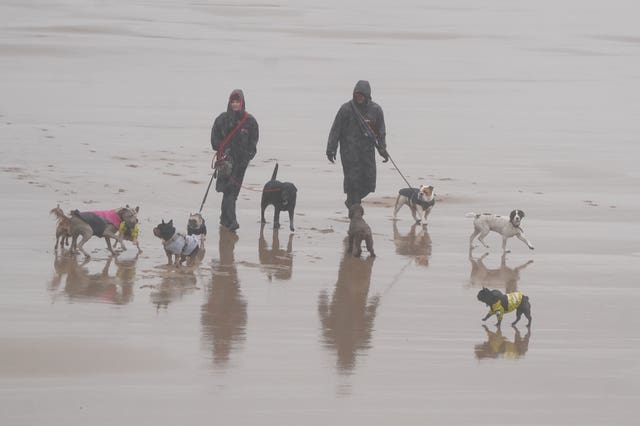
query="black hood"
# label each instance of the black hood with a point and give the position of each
(363, 87)
(237, 93)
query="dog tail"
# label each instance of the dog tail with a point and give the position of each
(471, 214)
(275, 172)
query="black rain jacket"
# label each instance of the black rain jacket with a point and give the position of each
(240, 149)
(357, 151)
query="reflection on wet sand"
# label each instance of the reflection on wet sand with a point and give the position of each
(503, 277)
(175, 283)
(347, 320)
(81, 284)
(224, 316)
(498, 346)
(275, 261)
(416, 243)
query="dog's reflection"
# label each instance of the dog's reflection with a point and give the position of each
(498, 346)
(502, 277)
(276, 262)
(82, 284)
(224, 315)
(415, 244)
(175, 283)
(347, 319)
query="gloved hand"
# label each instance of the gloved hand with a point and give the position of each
(383, 152)
(331, 156)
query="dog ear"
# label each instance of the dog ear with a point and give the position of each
(170, 222)
(137, 209)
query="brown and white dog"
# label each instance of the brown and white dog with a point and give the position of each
(507, 227)
(420, 201)
(63, 227)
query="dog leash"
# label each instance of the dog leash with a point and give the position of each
(233, 180)
(395, 279)
(371, 133)
(207, 192)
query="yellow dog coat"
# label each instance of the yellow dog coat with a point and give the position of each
(124, 230)
(515, 299)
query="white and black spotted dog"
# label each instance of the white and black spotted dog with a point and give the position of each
(420, 201)
(507, 227)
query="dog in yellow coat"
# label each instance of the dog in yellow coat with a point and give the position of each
(500, 304)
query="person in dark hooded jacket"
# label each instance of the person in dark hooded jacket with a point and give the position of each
(234, 136)
(357, 145)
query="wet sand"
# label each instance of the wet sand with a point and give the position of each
(499, 106)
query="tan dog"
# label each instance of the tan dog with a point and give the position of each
(420, 201)
(63, 227)
(359, 230)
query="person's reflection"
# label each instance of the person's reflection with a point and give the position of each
(415, 244)
(224, 316)
(80, 283)
(347, 319)
(503, 277)
(276, 262)
(498, 346)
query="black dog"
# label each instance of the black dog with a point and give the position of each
(197, 226)
(182, 247)
(500, 304)
(282, 196)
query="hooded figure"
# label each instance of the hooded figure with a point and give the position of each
(357, 144)
(238, 149)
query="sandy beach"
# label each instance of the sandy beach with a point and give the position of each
(498, 105)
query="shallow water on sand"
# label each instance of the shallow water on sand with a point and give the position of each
(498, 105)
